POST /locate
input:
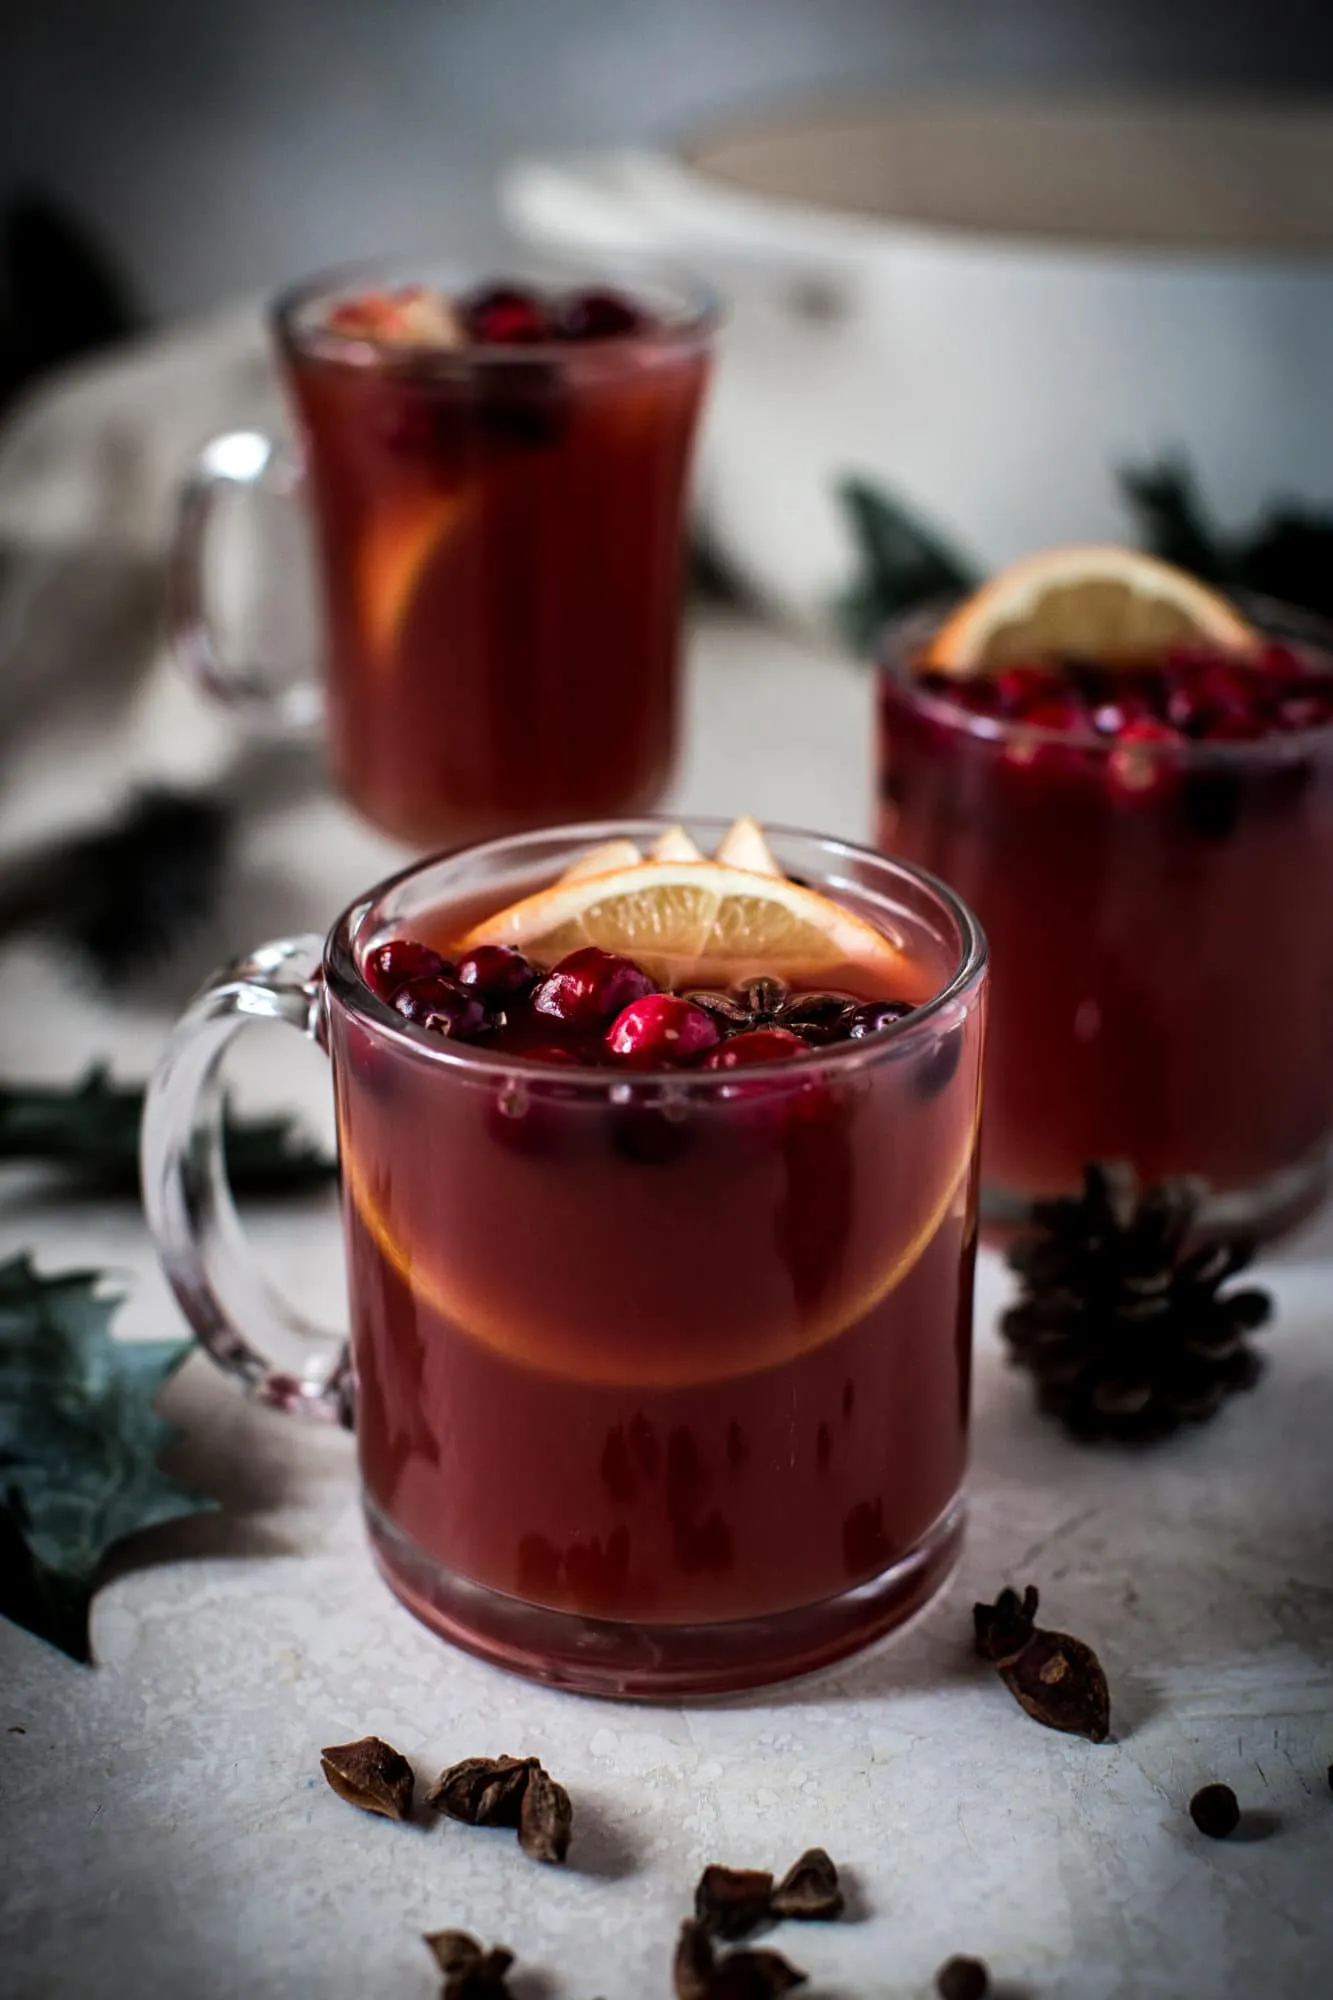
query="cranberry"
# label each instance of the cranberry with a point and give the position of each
(758, 1045)
(505, 316)
(598, 315)
(1061, 712)
(873, 1015)
(390, 966)
(1297, 711)
(441, 1006)
(497, 970)
(1113, 716)
(590, 986)
(662, 1028)
(1015, 690)
(1133, 765)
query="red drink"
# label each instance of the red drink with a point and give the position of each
(661, 1353)
(1151, 852)
(498, 486)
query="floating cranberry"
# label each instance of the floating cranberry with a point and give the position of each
(1296, 711)
(872, 1015)
(1134, 765)
(662, 1028)
(442, 1007)
(590, 986)
(1113, 716)
(1061, 712)
(505, 316)
(390, 966)
(758, 1045)
(598, 315)
(496, 970)
(1015, 690)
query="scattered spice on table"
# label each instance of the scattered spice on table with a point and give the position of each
(699, 1974)
(810, 1891)
(1215, 1810)
(1055, 1678)
(961, 1978)
(370, 1774)
(1121, 1318)
(511, 1792)
(731, 1902)
(471, 1970)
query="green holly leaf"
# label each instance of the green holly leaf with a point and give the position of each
(90, 1130)
(79, 1445)
(900, 564)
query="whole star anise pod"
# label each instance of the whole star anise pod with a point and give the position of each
(769, 1003)
(1121, 1318)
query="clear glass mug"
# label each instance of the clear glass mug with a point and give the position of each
(1161, 926)
(660, 1383)
(499, 536)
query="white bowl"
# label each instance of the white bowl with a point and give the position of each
(988, 307)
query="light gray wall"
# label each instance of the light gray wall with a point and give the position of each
(222, 145)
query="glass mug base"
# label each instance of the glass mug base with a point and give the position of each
(1268, 1210)
(641, 1662)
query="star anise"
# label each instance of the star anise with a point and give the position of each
(769, 1003)
(1121, 1318)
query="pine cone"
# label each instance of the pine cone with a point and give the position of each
(1120, 1319)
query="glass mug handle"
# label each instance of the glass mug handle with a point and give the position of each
(232, 464)
(234, 1312)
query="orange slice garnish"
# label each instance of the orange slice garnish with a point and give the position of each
(695, 923)
(1094, 602)
(399, 544)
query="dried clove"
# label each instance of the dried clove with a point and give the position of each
(370, 1774)
(546, 1819)
(482, 1791)
(508, 1791)
(962, 1978)
(471, 1972)
(809, 1891)
(1215, 1810)
(732, 1902)
(741, 1975)
(1057, 1679)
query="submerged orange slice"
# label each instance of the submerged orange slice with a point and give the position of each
(399, 544)
(1093, 601)
(694, 923)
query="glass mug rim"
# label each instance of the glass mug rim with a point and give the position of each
(345, 982)
(695, 310)
(1273, 619)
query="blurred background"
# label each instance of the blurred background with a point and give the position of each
(216, 150)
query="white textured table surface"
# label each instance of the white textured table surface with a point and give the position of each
(163, 1825)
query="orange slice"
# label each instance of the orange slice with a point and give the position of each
(695, 923)
(400, 542)
(1093, 602)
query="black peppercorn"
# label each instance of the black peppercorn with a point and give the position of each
(1215, 1811)
(962, 1979)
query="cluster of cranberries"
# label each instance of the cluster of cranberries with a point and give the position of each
(598, 1008)
(1192, 694)
(495, 315)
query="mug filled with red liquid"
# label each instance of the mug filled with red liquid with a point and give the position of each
(1144, 824)
(496, 474)
(657, 1158)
